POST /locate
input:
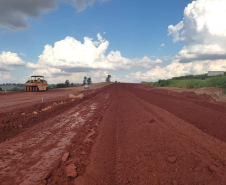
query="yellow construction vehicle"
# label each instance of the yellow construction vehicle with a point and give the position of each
(37, 83)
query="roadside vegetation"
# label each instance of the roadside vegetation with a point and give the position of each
(147, 83)
(15, 89)
(192, 81)
(11, 89)
(108, 78)
(87, 80)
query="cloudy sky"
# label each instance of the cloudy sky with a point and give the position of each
(136, 40)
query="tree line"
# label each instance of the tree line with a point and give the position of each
(86, 81)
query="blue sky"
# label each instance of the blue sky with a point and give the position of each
(135, 28)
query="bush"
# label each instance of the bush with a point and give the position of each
(0, 89)
(15, 89)
(218, 81)
(61, 85)
(162, 83)
(149, 83)
(190, 77)
(192, 81)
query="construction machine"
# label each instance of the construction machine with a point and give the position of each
(86, 86)
(35, 84)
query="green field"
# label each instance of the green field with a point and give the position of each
(192, 81)
(11, 88)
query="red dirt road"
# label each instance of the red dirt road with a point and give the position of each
(140, 143)
(124, 135)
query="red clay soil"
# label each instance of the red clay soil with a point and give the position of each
(19, 120)
(140, 143)
(29, 157)
(200, 110)
(124, 135)
(14, 100)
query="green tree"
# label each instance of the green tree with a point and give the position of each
(67, 83)
(61, 85)
(108, 78)
(84, 80)
(0, 89)
(89, 81)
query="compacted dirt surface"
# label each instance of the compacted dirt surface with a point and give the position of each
(122, 134)
(12, 100)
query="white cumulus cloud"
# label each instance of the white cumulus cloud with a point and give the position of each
(70, 58)
(54, 75)
(175, 31)
(70, 55)
(204, 29)
(9, 60)
(146, 62)
(6, 77)
(178, 69)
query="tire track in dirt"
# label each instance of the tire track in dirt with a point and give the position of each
(27, 158)
(140, 143)
(209, 117)
(101, 169)
(16, 121)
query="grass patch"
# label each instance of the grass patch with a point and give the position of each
(15, 89)
(148, 83)
(217, 81)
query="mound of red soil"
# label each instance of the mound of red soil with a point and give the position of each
(19, 120)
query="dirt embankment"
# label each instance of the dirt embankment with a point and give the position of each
(215, 92)
(13, 100)
(19, 120)
(200, 110)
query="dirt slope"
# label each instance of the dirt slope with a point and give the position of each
(200, 110)
(13, 100)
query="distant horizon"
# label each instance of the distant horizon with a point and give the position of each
(111, 80)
